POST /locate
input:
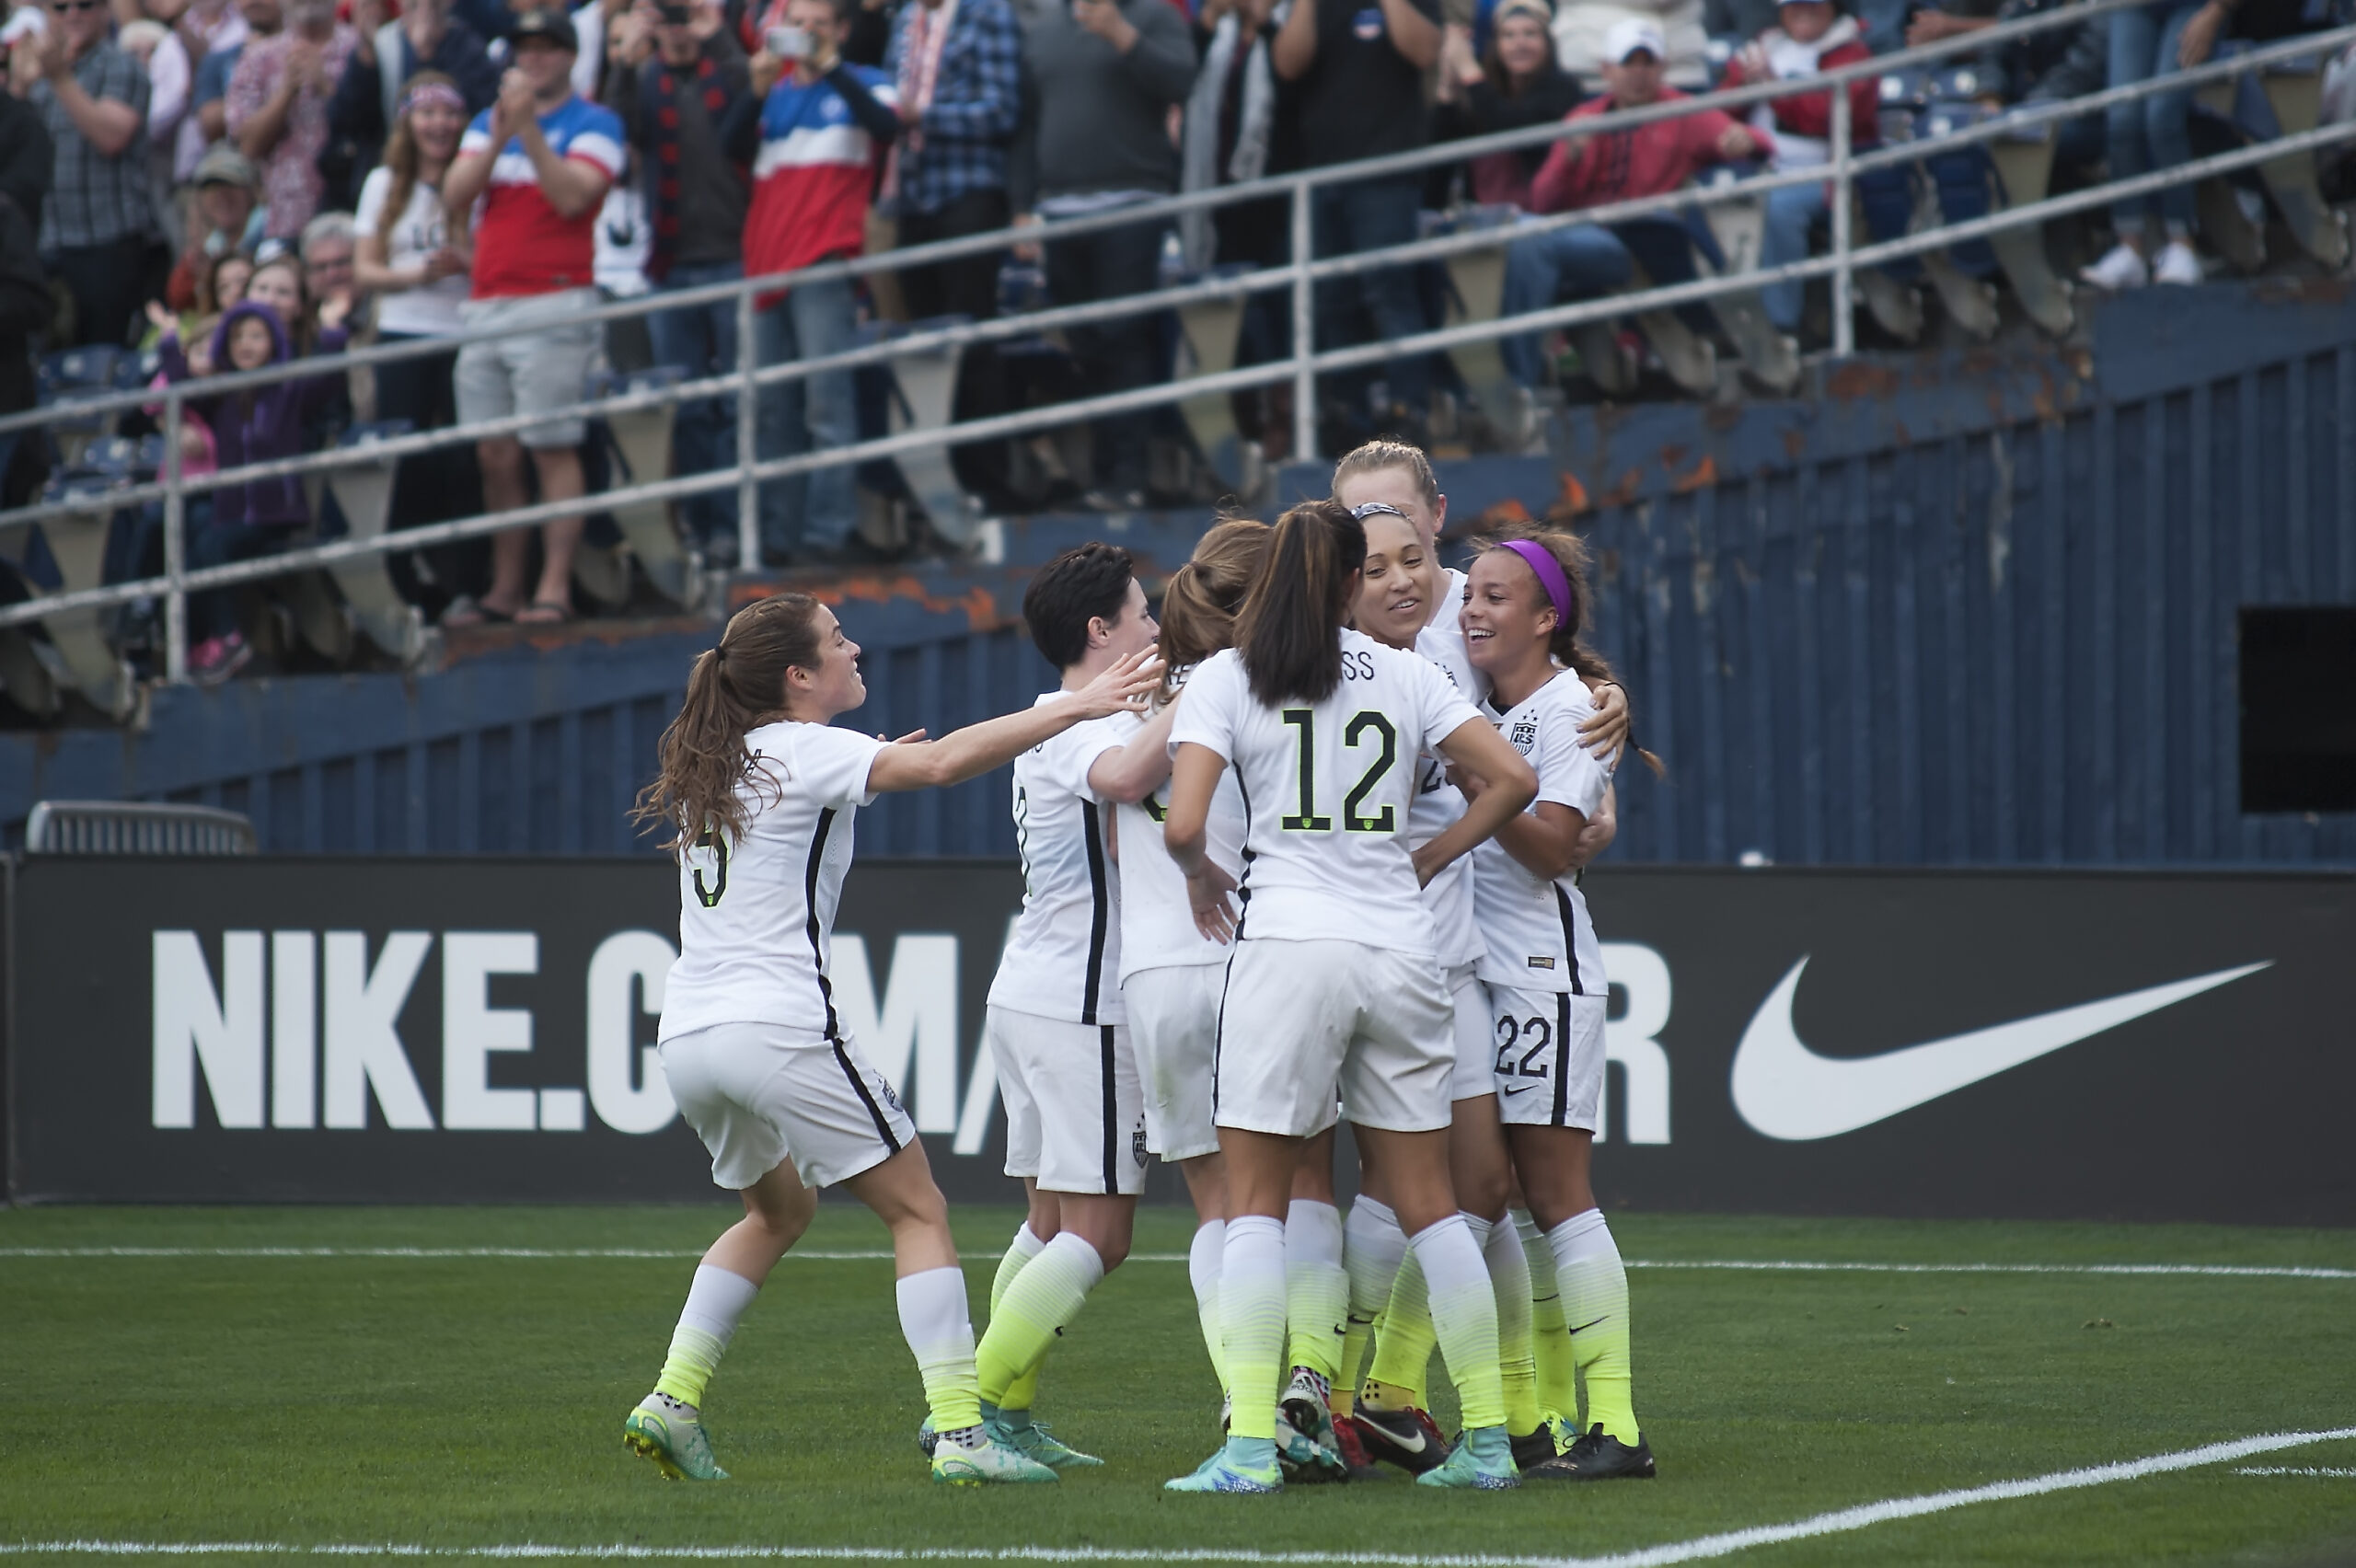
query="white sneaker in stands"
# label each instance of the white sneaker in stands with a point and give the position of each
(2178, 264)
(2122, 267)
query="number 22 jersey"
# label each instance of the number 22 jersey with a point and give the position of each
(1536, 933)
(1326, 788)
(756, 916)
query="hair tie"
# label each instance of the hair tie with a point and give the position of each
(1549, 577)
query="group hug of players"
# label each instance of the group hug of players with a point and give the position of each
(1306, 849)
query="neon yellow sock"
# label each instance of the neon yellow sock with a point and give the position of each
(1346, 1381)
(1045, 1295)
(1464, 1317)
(1251, 1322)
(1558, 1391)
(1402, 1352)
(934, 1321)
(1595, 1300)
(695, 1356)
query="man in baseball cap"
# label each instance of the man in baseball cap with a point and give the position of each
(1651, 159)
(547, 23)
(226, 215)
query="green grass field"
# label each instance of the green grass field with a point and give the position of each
(463, 1402)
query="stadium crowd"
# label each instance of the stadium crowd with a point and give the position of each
(217, 184)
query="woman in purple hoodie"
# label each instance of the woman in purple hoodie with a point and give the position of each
(258, 424)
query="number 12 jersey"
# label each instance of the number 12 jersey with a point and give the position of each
(1326, 788)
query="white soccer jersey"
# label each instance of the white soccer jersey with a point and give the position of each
(1536, 934)
(1439, 804)
(756, 916)
(1327, 789)
(1442, 638)
(1157, 923)
(1062, 958)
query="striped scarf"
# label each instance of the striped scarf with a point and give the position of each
(919, 71)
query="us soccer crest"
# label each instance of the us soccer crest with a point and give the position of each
(1525, 735)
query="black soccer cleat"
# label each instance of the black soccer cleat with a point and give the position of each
(1532, 1449)
(1595, 1455)
(1408, 1438)
(1352, 1448)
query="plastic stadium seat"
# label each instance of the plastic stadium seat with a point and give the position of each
(77, 544)
(1476, 281)
(363, 492)
(2281, 99)
(926, 387)
(1738, 225)
(644, 436)
(1211, 329)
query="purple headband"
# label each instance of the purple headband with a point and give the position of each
(432, 92)
(1550, 576)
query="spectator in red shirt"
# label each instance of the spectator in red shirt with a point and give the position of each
(278, 108)
(1810, 37)
(540, 161)
(1653, 159)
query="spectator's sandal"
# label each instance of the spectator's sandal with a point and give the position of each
(467, 611)
(543, 612)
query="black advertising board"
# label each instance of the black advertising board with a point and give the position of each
(2054, 1045)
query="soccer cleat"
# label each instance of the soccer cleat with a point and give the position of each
(1305, 1447)
(1228, 1472)
(1481, 1461)
(1351, 1450)
(670, 1435)
(1560, 1428)
(977, 1458)
(1033, 1441)
(926, 1438)
(1408, 1438)
(1534, 1449)
(1598, 1456)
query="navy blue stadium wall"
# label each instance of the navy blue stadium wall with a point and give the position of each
(1963, 608)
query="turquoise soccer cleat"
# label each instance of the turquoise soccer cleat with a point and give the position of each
(1246, 1466)
(1481, 1461)
(671, 1436)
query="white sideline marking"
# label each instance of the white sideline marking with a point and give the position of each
(1769, 1265)
(2295, 1469)
(1725, 1544)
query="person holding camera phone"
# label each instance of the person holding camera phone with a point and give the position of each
(813, 132)
(674, 105)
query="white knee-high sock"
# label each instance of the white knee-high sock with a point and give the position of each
(1045, 1295)
(1595, 1301)
(716, 1298)
(1464, 1317)
(1251, 1322)
(1203, 1269)
(939, 1331)
(1517, 1363)
(1372, 1249)
(1317, 1288)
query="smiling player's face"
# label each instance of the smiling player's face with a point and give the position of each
(836, 686)
(1506, 612)
(1394, 599)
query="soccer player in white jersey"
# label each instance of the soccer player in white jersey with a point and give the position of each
(1075, 1112)
(760, 790)
(1335, 990)
(1394, 609)
(1396, 1427)
(1523, 609)
(1173, 977)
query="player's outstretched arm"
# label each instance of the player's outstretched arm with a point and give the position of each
(1133, 772)
(976, 749)
(1498, 784)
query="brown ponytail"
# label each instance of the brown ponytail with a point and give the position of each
(1568, 643)
(733, 689)
(1199, 605)
(1289, 628)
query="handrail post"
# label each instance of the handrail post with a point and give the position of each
(1844, 325)
(1304, 332)
(175, 544)
(748, 489)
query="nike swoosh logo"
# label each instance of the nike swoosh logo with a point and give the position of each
(1785, 1090)
(1520, 1088)
(1584, 1327)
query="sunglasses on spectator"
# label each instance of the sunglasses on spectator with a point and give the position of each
(61, 6)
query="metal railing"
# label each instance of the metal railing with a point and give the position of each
(1299, 275)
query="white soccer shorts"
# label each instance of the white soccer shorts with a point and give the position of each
(1549, 1058)
(1173, 1022)
(1305, 1021)
(1075, 1114)
(760, 1093)
(1476, 1072)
